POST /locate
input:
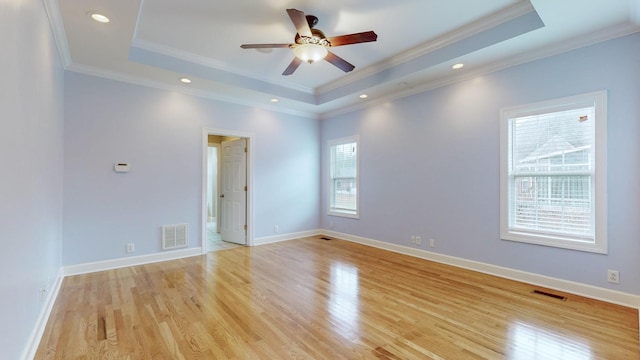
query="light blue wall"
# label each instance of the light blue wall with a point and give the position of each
(31, 130)
(430, 164)
(160, 134)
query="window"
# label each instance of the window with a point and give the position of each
(343, 177)
(553, 175)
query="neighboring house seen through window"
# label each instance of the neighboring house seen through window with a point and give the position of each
(343, 177)
(553, 176)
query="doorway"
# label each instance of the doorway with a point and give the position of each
(226, 192)
(213, 238)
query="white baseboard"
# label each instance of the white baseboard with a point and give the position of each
(285, 237)
(130, 261)
(590, 291)
(41, 323)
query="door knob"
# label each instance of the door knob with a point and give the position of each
(222, 195)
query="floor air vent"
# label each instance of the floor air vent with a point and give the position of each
(174, 236)
(555, 296)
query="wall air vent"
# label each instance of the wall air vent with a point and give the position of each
(174, 236)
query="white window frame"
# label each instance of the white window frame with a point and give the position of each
(330, 206)
(599, 206)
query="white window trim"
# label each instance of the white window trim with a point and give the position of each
(599, 245)
(340, 213)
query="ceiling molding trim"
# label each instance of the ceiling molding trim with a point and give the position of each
(505, 31)
(57, 27)
(490, 21)
(207, 62)
(545, 52)
(135, 26)
(574, 43)
(413, 90)
(175, 53)
(396, 95)
(154, 47)
(135, 80)
(179, 66)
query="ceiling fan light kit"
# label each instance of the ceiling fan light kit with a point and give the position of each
(310, 52)
(311, 45)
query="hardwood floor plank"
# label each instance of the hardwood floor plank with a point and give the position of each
(316, 299)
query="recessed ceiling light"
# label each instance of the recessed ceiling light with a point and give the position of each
(185, 80)
(274, 100)
(364, 96)
(457, 66)
(99, 18)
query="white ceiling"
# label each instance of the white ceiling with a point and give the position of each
(156, 42)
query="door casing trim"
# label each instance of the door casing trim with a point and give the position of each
(203, 194)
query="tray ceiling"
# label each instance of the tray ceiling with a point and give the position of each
(155, 43)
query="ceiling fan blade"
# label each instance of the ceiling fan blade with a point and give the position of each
(357, 38)
(292, 66)
(300, 22)
(263, 46)
(339, 62)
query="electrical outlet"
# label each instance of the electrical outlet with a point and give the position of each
(130, 248)
(613, 276)
(418, 240)
(432, 242)
(330, 224)
(276, 228)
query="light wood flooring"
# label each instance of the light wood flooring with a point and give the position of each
(316, 299)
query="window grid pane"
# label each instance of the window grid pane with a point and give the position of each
(551, 173)
(560, 205)
(344, 194)
(344, 177)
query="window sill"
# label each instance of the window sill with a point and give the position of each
(345, 214)
(557, 242)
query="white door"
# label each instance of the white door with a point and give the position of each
(233, 195)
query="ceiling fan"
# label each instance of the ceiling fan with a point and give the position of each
(311, 45)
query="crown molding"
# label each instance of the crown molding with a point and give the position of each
(519, 59)
(141, 81)
(55, 21)
(547, 51)
(520, 8)
(492, 20)
(209, 63)
(202, 60)
(574, 43)
(178, 54)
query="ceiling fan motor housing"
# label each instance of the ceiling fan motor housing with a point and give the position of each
(318, 38)
(311, 20)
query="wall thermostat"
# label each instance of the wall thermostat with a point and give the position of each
(121, 167)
